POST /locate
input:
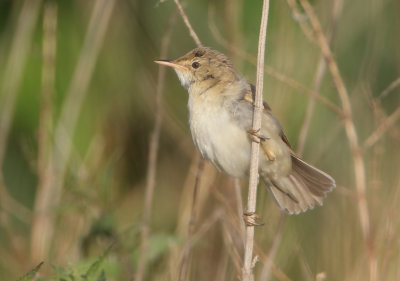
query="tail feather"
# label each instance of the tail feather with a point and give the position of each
(302, 189)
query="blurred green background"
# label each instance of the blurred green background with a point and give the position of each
(76, 124)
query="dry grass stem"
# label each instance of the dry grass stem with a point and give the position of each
(15, 65)
(204, 227)
(19, 49)
(233, 228)
(320, 72)
(310, 107)
(302, 20)
(192, 224)
(359, 165)
(303, 89)
(240, 211)
(49, 48)
(389, 89)
(152, 156)
(275, 270)
(266, 272)
(383, 127)
(48, 79)
(231, 247)
(255, 146)
(187, 23)
(80, 167)
(49, 195)
(268, 69)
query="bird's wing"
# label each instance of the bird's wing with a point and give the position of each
(249, 96)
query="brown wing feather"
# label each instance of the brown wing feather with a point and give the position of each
(250, 96)
(305, 186)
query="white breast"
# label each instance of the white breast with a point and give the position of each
(217, 137)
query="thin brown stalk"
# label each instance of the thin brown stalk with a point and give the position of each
(276, 271)
(303, 89)
(222, 267)
(192, 224)
(48, 79)
(304, 265)
(359, 165)
(50, 194)
(381, 116)
(46, 109)
(203, 228)
(186, 251)
(239, 203)
(320, 72)
(301, 19)
(266, 272)
(184, 214)
(310, 107)
(383, 127)
(233, 229)
(248, 263)
(231, 219)
(389, 89)
(268, 69)
(187, 23)
(231, 247)
(152, 156)
(14, 68)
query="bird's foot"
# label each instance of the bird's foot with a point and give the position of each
(251, 219)
(256, 136)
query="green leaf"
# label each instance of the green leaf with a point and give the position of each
(93, 270)
(31, 274)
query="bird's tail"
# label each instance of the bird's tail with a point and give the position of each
(302, 189)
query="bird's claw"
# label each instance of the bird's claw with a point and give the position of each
(256, 136)
(251, 218)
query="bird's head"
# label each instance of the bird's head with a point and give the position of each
(202, 66)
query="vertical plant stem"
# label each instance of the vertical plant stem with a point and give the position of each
(239, 203)
(359, 165)
(50, 194)
(46, 111)
(255, 146)
(336, 12)
(192, 222)
(46, 108)
(152, 156)
(191, 226)
(266, 272)
(17, 58)
(310, 106)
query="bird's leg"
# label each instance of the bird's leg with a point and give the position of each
(252, 219)
(256, 137)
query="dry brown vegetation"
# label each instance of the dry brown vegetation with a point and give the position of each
(95, 150)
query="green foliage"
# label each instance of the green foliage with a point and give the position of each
(31, 274)
(95, 271)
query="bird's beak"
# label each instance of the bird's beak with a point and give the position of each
(171, 64)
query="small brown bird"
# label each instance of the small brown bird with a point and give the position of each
(221, 111)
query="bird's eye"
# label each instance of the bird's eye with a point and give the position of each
(195, 64)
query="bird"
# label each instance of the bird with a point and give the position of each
(220, 104)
